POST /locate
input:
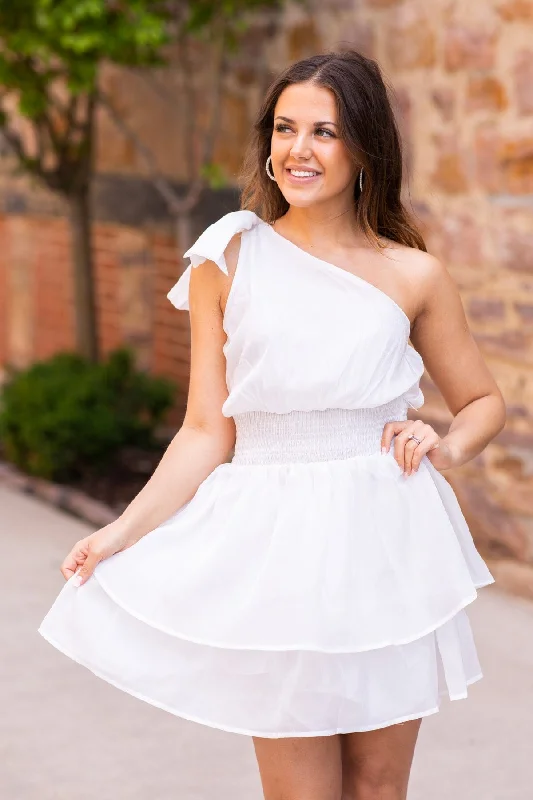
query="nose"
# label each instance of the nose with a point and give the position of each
(301, 148)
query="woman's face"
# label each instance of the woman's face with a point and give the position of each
(312, 165)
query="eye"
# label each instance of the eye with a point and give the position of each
(281, 128)
(326, 131)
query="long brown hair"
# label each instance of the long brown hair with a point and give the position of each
(367, 127)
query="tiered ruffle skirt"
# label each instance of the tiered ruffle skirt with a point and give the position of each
(307, 589)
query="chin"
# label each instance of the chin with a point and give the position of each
(300, 199)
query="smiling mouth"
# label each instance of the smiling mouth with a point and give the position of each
(303, 173)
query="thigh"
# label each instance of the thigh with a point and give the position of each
(300, 768)
(377, 764)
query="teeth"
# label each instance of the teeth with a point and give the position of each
(301, 174)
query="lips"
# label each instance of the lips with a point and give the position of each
(301, 176)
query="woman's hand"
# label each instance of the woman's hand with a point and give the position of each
(408, 452)
(88, 552)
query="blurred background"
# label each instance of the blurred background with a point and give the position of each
(122, 129)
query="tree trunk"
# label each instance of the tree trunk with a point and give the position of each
(84, 288)
(184, 234)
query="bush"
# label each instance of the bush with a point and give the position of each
(68, 417)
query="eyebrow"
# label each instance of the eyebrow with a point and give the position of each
(323, 122)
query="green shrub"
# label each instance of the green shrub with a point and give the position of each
(67, 417)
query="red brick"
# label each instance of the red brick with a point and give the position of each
(163, 284)
(166, 364)
(165, 248)
(54, 290)
(158, 237)
(381, 3)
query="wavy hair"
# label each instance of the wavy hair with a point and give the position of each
(369, 131)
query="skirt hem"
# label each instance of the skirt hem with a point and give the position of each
(262, 734)
(293, 647)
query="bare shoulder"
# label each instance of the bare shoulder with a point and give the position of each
(422, 266)
(422, 272)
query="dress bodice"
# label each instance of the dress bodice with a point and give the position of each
(302, 333)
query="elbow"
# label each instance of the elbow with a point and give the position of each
(501, 412)
(220, 435)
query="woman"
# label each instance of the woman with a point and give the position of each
(311, 592)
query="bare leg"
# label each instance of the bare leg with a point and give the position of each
(300, 768)
(376, 764)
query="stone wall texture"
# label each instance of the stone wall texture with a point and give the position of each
(462, 80)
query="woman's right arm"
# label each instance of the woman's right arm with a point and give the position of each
(203, 442)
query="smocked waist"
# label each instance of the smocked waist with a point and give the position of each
(333, 433)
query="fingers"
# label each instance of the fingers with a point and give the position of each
(408, 452)
(81, 561)
(87, 553)
(86, 570)
(75, 559)
(430, 441)
(69, 567)
(391, 429)
(412, 452)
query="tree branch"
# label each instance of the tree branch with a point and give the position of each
(163, 186)
(215, 101)
(189, 112)
(169, 98)
(33, 165)
(39, 141)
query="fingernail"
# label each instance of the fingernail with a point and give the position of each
(383, 451)
(405, 474)
(76, 579)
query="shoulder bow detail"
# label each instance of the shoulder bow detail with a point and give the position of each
(211, 246)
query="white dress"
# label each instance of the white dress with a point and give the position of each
(308, 588)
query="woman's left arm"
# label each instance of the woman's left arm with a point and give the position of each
(452, 358)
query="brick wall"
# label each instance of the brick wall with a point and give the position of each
(134, 271)
(137, 260)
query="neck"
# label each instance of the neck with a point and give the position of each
(317, 225)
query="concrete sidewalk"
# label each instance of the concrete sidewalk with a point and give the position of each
(66, 734)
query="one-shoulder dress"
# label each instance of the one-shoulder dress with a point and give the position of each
(308, 588)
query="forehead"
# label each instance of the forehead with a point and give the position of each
(307, 102)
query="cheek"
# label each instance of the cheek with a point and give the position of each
(338, 165)
(279, 148)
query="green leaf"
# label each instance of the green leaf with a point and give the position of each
(214, 175)
(32, 103)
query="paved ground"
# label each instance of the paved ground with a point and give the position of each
(66, 734)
